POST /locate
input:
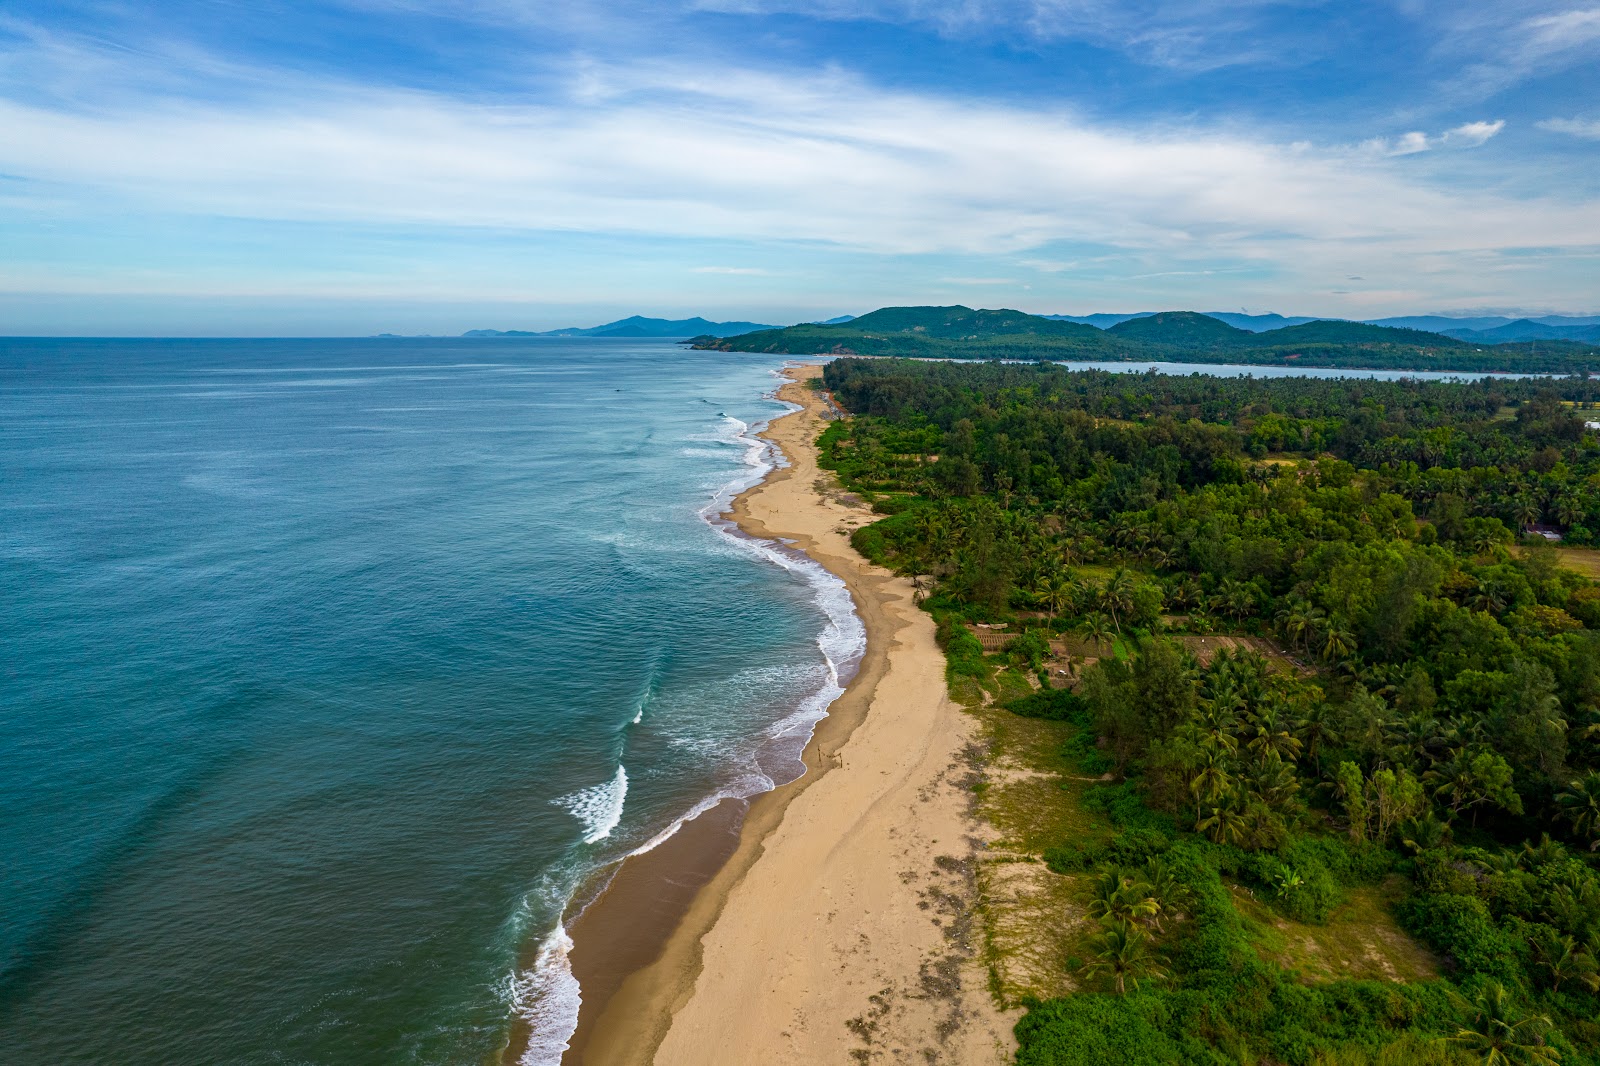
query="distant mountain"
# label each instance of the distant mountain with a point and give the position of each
(837, 321)
(1173, 336)
(1237, 319)
(1566, 326)
(1439, 323)
(636, 326)
(1258, 323)
(1527, 329)
(1337, 331)
(1102, 320)
(1181, 329)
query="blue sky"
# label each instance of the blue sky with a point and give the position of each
(420, 166)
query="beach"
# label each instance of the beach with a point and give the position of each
(840, 927)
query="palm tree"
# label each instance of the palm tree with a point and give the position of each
(1238, 598)
(1569, 510)
(1336, 641)
(1565, 960)
(1117, 596)
(1055, 589)
(1499, 1033)
(1117, 899)
(1185, 593)
(1481, 540)
(1122, 952)
(1580, 804)
(1096, 629)
(1212, 777)
(1424, 833)
(1299, 621)
(1316, 728)
(1273, 782)
(1225, 825)
(1169, 893)
(1266, 737)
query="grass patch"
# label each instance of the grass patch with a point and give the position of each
(1361, 939)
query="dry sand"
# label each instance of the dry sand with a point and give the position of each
(841, 930)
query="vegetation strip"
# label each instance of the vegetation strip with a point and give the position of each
(1267, 675)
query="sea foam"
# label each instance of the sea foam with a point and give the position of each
(598, 807)
(547, 996)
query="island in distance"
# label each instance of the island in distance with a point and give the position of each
(635, 326)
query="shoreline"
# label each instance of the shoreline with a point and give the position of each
(675, 949)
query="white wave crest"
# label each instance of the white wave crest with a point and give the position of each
(547, 998)
(599, 807)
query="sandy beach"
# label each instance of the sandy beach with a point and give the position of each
(840, 929)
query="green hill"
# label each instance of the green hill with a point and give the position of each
(1181, 329)
(1336, 331)
(1172, 336)
(963, 323)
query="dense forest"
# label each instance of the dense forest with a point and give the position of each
(1176, 336)
(1430, 722)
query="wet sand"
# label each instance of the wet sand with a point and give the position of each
(837, 921)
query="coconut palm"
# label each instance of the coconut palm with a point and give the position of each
(1237, 599)
(1424, 833)
(1122, 951)
(1212, 777)
(1299, 621)
(1316, 729)
(1566, 960)
(1500, 1034)
(1169, 893)
(1264, 735)
(1580, 805)
(1336, 641)
(1118, 899)
(1055, 590)
(1185, 593)
(1096, 629)
(1117, 596)
(1569, 510)
(1224, 825)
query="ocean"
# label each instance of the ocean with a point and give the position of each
(331, 669)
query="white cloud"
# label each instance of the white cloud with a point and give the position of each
(1508, 41)
(826, 159)
(734, 271)
(1577, 127)
(1469, 135)
(1472, 134)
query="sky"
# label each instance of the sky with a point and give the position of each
(210, 167)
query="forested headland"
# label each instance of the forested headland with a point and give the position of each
(1294, 636)
(1175, 336)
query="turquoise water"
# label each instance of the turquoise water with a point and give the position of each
(330, 668)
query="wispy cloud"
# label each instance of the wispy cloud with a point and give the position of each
(1506, 42)
(1186, 34)
(1468, 135)
(763, 159)
(1577, 127)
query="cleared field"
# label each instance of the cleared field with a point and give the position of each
(1361, 939)
(1206, 648)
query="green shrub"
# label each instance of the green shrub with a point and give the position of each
(1052, 704)
(1461, 927)
(1096, 1030)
